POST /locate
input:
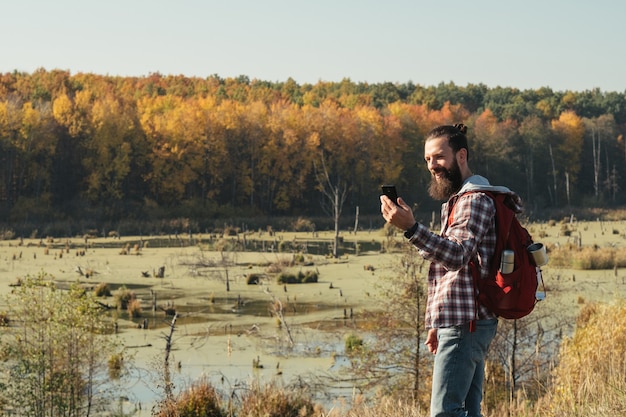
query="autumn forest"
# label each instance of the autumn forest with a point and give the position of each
(86, 150)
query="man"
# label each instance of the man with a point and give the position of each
(460, 330)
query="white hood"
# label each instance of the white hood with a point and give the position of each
(480, 183)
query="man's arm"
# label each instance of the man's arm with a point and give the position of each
(473, 217)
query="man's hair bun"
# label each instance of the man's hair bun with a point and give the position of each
(462, 128)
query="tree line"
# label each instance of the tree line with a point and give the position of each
(97, 147)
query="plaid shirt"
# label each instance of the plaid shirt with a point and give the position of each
(472, 235)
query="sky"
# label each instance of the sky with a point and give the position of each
(565, 45)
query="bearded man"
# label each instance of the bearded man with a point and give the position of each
(459, 329)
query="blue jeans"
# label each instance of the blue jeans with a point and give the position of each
(459, 369)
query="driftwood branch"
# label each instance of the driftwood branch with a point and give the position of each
(277, 310)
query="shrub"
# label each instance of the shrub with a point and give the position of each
(353, 344)
(593, 259)
(287, 278)
(200, 400)
(309, 277)
(303, 225)
(7, 234)
(224, 245)
(299, 278)
(298, 258)
(231, 231)
(620, 258)
(115, 364)
(560, 256)
(123, 297)
(134, 308)
(271, 400)
(588, 258)
(389, 230)
(102, 290)
(254, 279)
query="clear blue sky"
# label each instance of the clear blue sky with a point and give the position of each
(565, 45)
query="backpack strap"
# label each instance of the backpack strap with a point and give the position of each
(503, 220)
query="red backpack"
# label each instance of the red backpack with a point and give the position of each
(510, 296)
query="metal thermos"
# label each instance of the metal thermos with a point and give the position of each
(506, 261)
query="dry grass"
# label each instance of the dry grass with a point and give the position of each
(123, 298)
(589, 379)
(377, 407)
(134, 308)
(200, 400)
(587, 258)
(102, 290)
(270, 400)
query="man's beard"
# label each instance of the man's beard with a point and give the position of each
(443, 188)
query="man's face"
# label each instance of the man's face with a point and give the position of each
(444, 168)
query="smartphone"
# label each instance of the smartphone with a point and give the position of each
(390, 191)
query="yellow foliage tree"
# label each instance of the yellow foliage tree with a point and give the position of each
(569, 131)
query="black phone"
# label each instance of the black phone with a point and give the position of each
(391, 192)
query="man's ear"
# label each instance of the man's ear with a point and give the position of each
(461, 156)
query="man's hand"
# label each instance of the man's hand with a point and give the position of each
(431, 341)
(400, 215)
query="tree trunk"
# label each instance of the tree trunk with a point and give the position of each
(512, 364)
(555, 197)
(567, 187)
(418, 343)
(595, 147)
(337, 212)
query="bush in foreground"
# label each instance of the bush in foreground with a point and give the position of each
(200, 400)
(273, 401)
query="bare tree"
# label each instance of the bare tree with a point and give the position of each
(335, 190)
(393, 357)
(521, 356)
(277, 310)
(533, 133)
(601, 129)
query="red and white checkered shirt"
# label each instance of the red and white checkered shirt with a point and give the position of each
(472, 235)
